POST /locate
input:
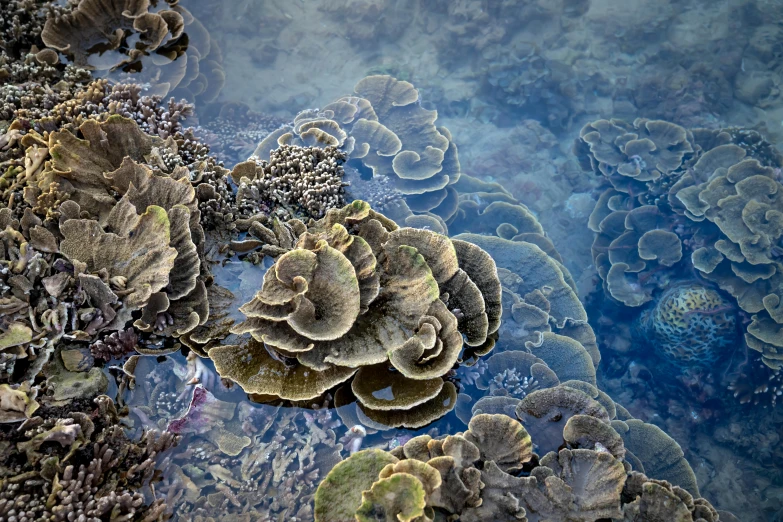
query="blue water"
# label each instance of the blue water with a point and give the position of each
(514, 82)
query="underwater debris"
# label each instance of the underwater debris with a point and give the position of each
(472, 474)
(352, 294)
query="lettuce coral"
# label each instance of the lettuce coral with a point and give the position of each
(384, 128)
(706, 199)
(353, 295)
(165, 43)
(474, 475)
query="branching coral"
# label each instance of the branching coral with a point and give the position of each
(475, 475)
(81, 464)
(236, 459)
(22, 21)
(233, 131)
(354, 294)
(302, 181)
(384, 128)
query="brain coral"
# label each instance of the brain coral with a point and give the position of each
(353, 295)
(475, 475)
(691, 324)
(706, 199)
(384, 128)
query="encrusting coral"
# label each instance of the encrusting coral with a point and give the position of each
(692, 202)
(353, 295)
(475, 475)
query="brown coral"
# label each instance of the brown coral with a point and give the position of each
(82, 465)
(164, 46)
(352, 291)
(474, 479)
(713, 195)
(384, 127)
(295, 181)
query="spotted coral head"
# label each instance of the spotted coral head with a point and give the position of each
(691, 325)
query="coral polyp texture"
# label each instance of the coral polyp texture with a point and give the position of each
(475, 476)
(303, 181)
(383, 128)
(691, 325)
(354, 296)
(684, 202)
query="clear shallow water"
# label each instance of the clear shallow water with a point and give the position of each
(514, 83)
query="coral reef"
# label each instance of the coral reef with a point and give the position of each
(128, 192)
(22, 22)
(475, 475)
(372, 22)
(353, 295)
(511, 60)
(112, 213)
(384, 128)
(80, 464)
(39, 107)
(691, 203)
(691, 325)
(232, 130)
(163, 45)
(237, 460)
(295, 182)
